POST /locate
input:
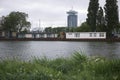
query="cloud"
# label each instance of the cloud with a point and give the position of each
(1, 10)
(49, 12)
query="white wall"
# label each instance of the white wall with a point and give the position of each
(3, 34)
(45, 35)
(56, 35)
(28, 35)
(85, 35)
(52, 36)
(37, 36)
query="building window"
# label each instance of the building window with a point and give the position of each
(0, 33)
(101, 35)
(77, 34)
(48, 35)
(42, 35)
(95, 34)
(90, 34)
(70, 33)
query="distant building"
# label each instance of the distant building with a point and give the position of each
(72, 19)
(37, 35)
(86, 35)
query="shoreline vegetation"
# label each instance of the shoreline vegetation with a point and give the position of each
(76, 67)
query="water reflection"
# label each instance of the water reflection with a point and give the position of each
(110, 50)
(26, 50)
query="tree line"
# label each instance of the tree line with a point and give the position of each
(103, 19)
(15, 22)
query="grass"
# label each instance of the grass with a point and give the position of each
(77, 67)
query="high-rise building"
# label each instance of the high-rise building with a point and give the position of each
(72, 19)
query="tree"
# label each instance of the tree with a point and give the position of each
(100, 21)
(111, 16)
(92, 14)
(83, 28)
(48, 30)
(15, 21)
(1, 22)
(100, 16)
(55, 30)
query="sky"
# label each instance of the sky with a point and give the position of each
(47, 13)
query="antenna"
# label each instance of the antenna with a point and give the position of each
(72, 8)
(39, 24)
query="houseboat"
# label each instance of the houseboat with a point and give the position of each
(85, 35)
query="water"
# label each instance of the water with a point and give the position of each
(26, 50)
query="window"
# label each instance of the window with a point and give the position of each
(95, 34)
(70, 33)
(77, 34)
(90, 34)
(48, 35)
(42, 35)
(0, 33)
(101, 35)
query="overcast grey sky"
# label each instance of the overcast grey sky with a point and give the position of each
(49, 12)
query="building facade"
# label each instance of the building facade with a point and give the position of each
(72, 18)
(37, 35)
(86, 35)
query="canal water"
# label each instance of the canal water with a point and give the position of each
(27, 50)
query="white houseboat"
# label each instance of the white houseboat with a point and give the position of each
(85, 35)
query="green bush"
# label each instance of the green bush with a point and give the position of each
(77, 67)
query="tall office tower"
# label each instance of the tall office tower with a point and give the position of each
(72, 19)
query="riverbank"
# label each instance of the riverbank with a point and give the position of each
(59, 39)
(77, 67)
